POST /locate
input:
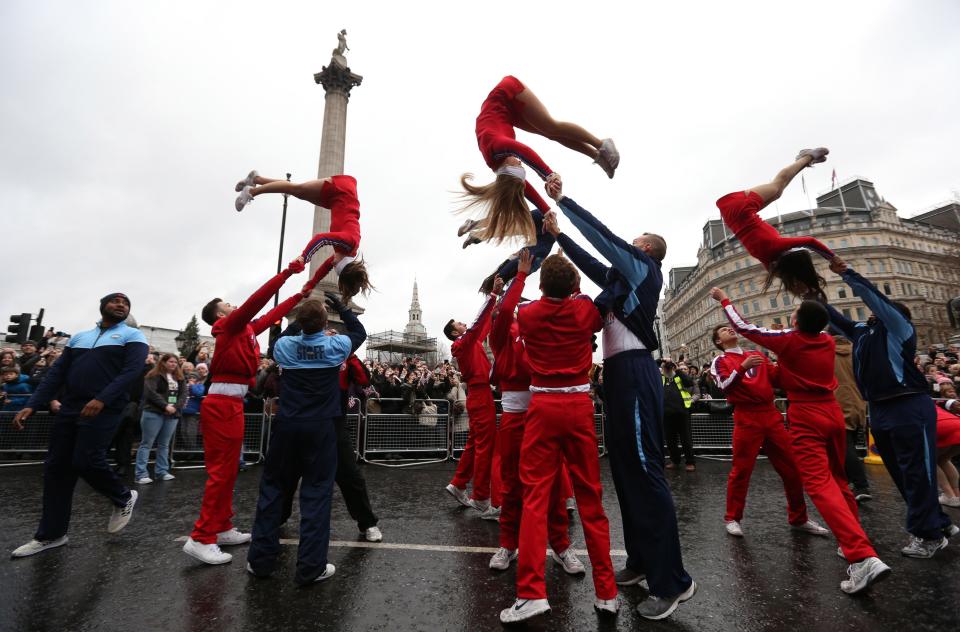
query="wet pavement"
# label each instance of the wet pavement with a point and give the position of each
(140, 580)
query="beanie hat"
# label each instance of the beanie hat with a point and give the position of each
(106, 299)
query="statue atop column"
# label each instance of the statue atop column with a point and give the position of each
(339, 55)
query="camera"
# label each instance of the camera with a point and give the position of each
(669, 365)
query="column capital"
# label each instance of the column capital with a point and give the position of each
(337, 77)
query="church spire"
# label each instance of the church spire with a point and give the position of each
(415, 326)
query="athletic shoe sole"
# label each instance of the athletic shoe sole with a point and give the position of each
(632, 582)
(197, 557)
(465, 503)
(876, 579)
(684, 596)
(53, 544)
(533, 615)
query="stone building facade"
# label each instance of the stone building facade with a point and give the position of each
(916, 261)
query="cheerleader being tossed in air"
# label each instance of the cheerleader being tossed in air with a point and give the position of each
(337, 193)
(785, 258)
(509, 106)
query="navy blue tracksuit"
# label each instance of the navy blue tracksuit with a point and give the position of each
(903, 419)
(634, 400)
(303, 446)
(101, 364)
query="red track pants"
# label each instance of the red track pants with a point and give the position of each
(221, 420)
(560, 426)
(819, 447)
(752, 430)
(476, 462)
(510, 439)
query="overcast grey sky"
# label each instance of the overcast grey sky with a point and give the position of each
(125, 126)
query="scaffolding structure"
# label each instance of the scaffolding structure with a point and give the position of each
(391, 347)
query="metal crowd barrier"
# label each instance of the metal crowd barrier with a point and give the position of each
(382, 438)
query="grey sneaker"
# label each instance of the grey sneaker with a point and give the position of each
(470, 240)
(491, 513)
(479, 505)
(502, 558)
(249, 181)
(818, 154)
(608, 157)
(459, 494)
(656, 608)
(523, 609)
(864, 573)
(951, 530)
(243, 199)
(812, 528)
(924, 549)
(121, 515)
(734, 529)
(569, 561)
(607, 606)
(373, 534)
(628, 577)
(36, 546)
(466, 227)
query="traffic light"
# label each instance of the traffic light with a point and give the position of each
(19, 327)
(36, 332)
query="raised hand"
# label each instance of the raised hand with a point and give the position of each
(297, 265)
(333, 302)
(526, 261)
(838, 265)
(550, 224)
(498, 284)
(717, 294)
(554, 187)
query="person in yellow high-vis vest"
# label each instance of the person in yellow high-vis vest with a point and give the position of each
(677, 400)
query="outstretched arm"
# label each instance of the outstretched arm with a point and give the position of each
(500, 330)
(806, 242)
(280, 311)
(240, 317)
(774, 339)
(595, 271)
(481, 325)
(841, 323)
(896, 323)
(629, 260)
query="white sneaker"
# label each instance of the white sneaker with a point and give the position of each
(812, 528)
(608, 157)
(459, 494)
(571, 506)
(249, 181)
(734, 528)
(146, 480)
(326, 574)
(491, 513)
(167, 477)
(819, 155)
(949, 501)
(569, 561)
(523, 609)
(243, 199)
(864, 573)
(479, 505)
(373, 534)
(36, 546)
(206, 553)
(121, 515)
(502, 558)
(611, 606)
(232, 537)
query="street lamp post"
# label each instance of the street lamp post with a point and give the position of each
(283, 229)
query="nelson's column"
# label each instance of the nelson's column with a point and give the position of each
(337, 80)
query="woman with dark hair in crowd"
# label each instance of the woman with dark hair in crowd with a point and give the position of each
(164, 394)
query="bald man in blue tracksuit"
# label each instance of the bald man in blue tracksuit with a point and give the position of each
(634, 402)
(903, 419)
(303, 443)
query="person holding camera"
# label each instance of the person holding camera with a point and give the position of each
(677, 400)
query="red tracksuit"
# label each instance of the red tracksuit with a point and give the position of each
(477, 459)
(557, 338)
(817, 430)
(499, 115)
(339, 195)
(757, 423)
(511, 373)
(221, 417)
(739, 211)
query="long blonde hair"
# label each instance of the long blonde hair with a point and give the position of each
(507, 213)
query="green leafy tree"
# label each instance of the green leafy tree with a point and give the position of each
(190, 337)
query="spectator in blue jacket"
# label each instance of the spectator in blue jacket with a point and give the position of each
(903, 418)
(91, 380)
(16, 388)
(190, 421)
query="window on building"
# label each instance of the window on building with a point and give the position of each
(844, 243)
(863, 241)
(870, 267)
(886, 289)
(753, 288)
(860, 314)
(846, 312)
(742, 288)
(876, 241)
(773, 301)
(756, 306)
(746, 308)
(842, 292)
